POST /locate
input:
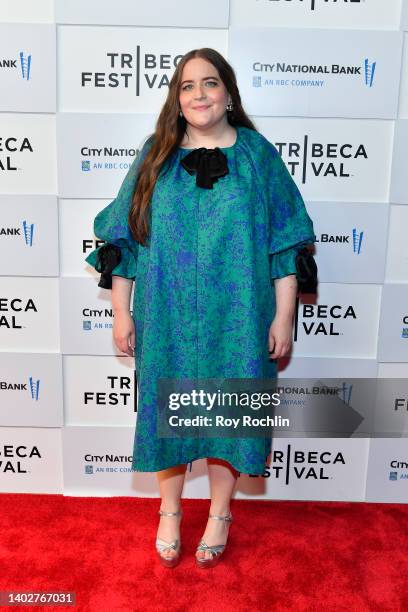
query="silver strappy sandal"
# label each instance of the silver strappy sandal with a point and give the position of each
(217, 549)
(162, 546)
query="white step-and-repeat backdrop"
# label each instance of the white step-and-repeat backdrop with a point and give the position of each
(327, 82)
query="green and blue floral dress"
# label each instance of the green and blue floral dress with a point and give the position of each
(204, 295)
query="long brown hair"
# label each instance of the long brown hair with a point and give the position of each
(169, 132)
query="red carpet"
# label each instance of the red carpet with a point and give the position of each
(281, 555)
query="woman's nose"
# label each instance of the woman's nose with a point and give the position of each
(200, 92)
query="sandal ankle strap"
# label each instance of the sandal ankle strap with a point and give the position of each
(164, 513)
(227, 518)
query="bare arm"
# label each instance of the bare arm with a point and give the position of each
(280, 332)
(123, 324)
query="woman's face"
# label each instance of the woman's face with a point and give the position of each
(203, 97)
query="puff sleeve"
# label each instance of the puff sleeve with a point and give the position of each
(118, 255)
(290, 227)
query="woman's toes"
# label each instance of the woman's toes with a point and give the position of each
(169, 554)
(204, 554)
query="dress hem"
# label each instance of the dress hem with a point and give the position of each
(218, 456)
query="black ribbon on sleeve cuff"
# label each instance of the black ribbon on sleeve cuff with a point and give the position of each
(306, 271)
(108, 257)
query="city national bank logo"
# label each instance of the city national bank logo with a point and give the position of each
(345, 393)
(113, 158)
(111, 464)
(134, 71)
(93, 314)
(27, 233)
(312, 5)
(33, 387)
(23, 65)
(369, 71)
(400, 465)
(321, 160)
(321, 319)
(355, 239)
(404, 332)
(303, 73)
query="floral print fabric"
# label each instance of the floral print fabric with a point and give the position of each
(204, 295)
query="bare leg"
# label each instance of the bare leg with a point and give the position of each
(171, 482)
(223, 478)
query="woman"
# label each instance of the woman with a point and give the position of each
(208, 222)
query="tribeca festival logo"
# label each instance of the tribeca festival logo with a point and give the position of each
(14, 459)
(331, 159)
(10, 145)
(11, 309)
(133, 71)
(294, 464)
(321, 319)
(34, 386)
(118, 392)
(369, 71)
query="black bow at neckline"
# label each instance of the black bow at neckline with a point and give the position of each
(208, 164)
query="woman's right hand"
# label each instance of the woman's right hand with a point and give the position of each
(124, 332)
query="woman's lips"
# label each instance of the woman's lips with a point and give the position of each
(200, 107)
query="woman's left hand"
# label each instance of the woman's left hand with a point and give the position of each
(280, 337)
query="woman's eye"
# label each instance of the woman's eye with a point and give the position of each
(211, 83)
